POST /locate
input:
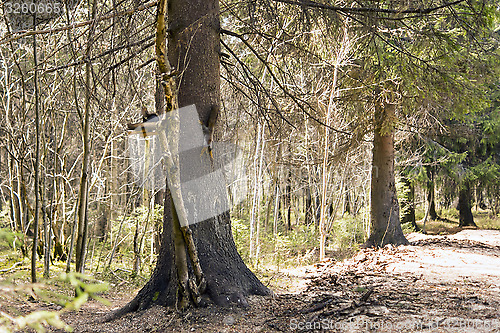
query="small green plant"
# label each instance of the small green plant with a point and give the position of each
(241, 235)
(449, 214)
(296, 247)
(300, 245)
(35, 320)
(39, 320)
(121, 244)
(347, 233)
(408, 228)
(9, 239)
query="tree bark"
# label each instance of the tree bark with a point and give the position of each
(81, 241)
(194, 48)
(256, 194)
(3, 198)
(159, 194)
(308, 206)
(15, 197)
(465, 207)
(385, 223)
(288, 199)
(431, 197)
(347, 200)
(37, 166)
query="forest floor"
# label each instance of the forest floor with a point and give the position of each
(440, 283)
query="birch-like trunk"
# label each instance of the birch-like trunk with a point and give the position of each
(81, 241)
(37, 164)
(255, 200)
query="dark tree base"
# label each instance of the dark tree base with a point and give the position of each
(380, 241)
(467, 223)
(229, 280)
(464, 207)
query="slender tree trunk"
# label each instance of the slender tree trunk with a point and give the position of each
(431, 197)
(61, 240)
(308, 206)
(160, 194)
(480, 204)
(309, 209)
(288, 199)
(277, 193)
(276, 207)
(259, 194)
(385, 223)
(37, 164)
(52, 213)
(114, 185)
(24, 200)
(255, 210)
(347, 200)
(74, 228)
(3, 198)
(255, 199)
(102, 220)
(270, 200)
(14, 196)
(20, 198)
(324, 169)
(81, 241)
(46, 210)
(137, 248)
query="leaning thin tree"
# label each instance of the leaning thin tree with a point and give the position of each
(194, 51)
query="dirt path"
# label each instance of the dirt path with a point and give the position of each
(468, 255)
(437, 284)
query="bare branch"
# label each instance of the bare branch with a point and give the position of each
(357, 10)
(22, 34)
(82, 61)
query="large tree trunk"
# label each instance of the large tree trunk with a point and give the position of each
(385, 223)
(194, 28)
(465, 206)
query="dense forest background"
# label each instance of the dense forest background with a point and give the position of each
(306, 88)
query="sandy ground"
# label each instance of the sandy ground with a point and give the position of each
(469, 254)
(437, 284)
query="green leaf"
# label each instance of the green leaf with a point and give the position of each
(96, 288)
(79, 301)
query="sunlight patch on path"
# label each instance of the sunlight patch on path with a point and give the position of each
(449, 265)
